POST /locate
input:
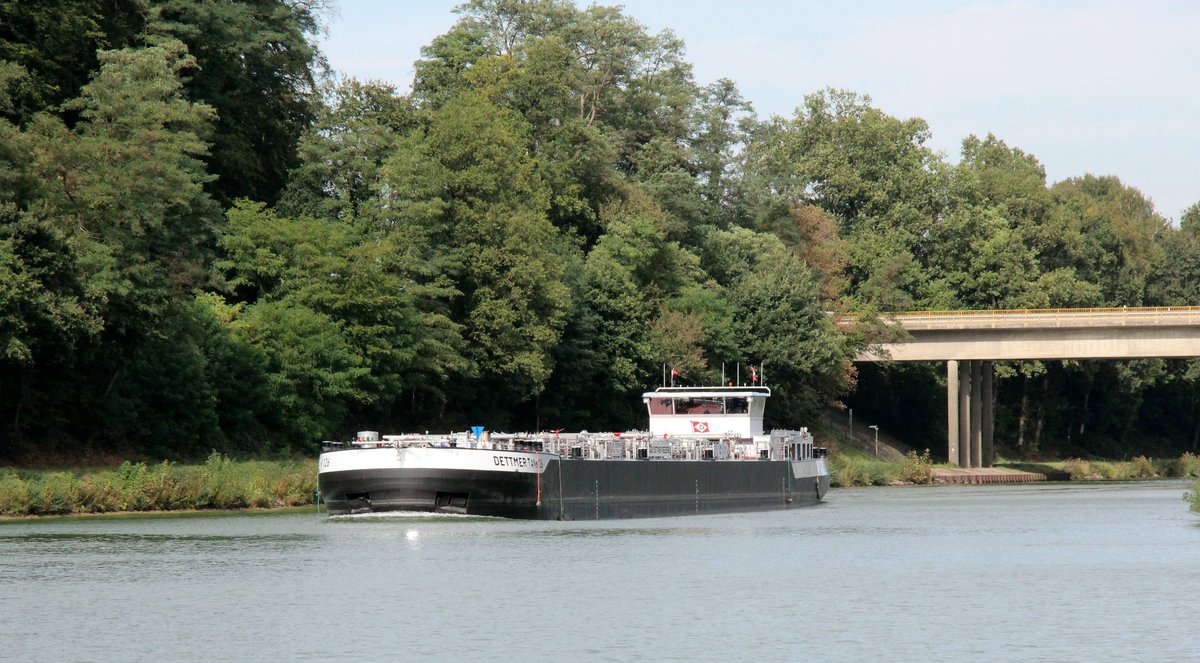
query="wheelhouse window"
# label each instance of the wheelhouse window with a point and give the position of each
(662, 406)
(699, 406)
(702, 405)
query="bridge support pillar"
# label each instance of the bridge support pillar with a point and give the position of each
(977, 414)
(952, 412)
(970, 413)
(964, 414)
(989, 413)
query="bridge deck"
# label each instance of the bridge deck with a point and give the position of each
(1106, 333)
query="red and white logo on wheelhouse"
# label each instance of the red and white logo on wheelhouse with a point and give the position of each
(699, 426)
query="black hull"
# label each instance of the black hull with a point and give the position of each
(578, 490)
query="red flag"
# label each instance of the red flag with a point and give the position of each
(699, 426)
(753, 375)
(674, 373)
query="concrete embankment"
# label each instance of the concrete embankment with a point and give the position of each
(984, 475)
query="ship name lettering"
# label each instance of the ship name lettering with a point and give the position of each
(513, 461)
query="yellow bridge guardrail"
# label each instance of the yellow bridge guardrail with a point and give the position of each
(1051, 317)
(1052, 311)
(1054, 317)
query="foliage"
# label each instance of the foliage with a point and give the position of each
(204, 245)
(220, 483)
(917, 469)
(1188, 466)
(1140, 467)
(849, 470)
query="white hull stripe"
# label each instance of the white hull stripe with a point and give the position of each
(434, 459)
(479, 460)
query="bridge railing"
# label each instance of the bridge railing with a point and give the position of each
(1058, 317)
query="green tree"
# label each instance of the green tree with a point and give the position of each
(312, 371)
(781, 324)
(1120, 235)
(357, 284)
(128, 184)
(56, 44)
(514, 300)
(1176, 278)
(120, 204)
(870, 172)
(593, 86)
(258, 68)
(341, 155)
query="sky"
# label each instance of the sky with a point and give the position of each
(1086, 86)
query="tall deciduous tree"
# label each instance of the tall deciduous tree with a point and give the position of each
(57, 44)
(1120, 233)
(780, 322)
(258, 69)
(120, 202)
(870, 172)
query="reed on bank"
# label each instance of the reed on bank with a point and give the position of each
(854, 470)
(847, 470)
(1186, 466)
(223, 483)
(220, 483)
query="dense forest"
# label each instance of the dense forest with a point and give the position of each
(209, 242)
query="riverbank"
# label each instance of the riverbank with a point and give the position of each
(987, 475)
(219, 483)
(857, 470)
(225, 484)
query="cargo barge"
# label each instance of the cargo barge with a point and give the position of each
(705, 452)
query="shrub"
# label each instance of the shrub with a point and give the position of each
(220, 489)
(100, 493)
(58, 494)
(853, 471)
(220, 483)
(1188, 466)
(14, 494)
(1078, 469)
(1140, 468)
(916, 469)
(848, 472)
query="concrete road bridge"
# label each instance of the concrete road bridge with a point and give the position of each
(969, 341)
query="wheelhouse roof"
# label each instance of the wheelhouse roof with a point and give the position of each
(707, 392)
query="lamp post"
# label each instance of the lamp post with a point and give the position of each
(876, 429)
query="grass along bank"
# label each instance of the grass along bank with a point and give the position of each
(220, 483)
(1186, 466)
(852, 470)
(849, 469)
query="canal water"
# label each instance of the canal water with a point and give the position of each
(1051, 572)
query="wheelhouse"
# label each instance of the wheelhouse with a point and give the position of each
(716, 412)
